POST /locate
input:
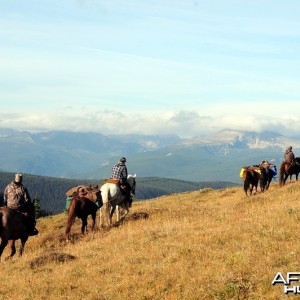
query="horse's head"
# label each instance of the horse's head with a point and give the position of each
(131, 181)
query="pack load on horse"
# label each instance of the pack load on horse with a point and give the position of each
(84, 201)
(268, 172)
(250, 175)
(113, 196)
(87, 191)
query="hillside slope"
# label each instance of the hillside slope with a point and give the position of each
(206, 244)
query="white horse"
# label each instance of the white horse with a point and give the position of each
(113, 197)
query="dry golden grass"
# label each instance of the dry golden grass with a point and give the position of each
(205, 244)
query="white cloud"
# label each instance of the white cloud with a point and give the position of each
(184, 123)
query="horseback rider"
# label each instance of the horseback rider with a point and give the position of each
(289, 155)
(119, 171)
(16, 197)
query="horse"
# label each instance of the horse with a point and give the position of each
(14, 225)
(82, 207)
(112, 197)
(251, 179)
(268, 171)
(288, 169)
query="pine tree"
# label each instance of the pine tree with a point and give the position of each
(37, 207)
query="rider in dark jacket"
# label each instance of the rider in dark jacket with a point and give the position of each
(289, 155)
(16, 197)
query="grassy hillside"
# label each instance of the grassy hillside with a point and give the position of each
(206, 244)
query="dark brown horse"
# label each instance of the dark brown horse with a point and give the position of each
(251, 179)
(14, 225)
(288, 169)
(82, 207)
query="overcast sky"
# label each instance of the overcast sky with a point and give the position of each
(150, 67)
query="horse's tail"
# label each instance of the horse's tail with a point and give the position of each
(1, 225)
(247, 181)
(71, 215)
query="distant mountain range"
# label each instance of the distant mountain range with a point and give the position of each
(76, 155)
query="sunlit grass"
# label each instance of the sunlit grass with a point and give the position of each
(207, 244)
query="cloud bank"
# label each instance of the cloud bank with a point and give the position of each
(184, 123)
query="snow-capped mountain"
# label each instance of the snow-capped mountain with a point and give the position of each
(244, 139)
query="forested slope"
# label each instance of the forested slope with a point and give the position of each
(51, 191)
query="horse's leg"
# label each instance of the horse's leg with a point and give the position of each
(118, 213)
(83, 225)
(126, 209)
(23, 242)
(93, 220)
(262, 185)
(285, 178)
(13, 248)
(112, 210)
(254, 188)
(104, 215)
(3, 244)
(246, 187)
(100, 217)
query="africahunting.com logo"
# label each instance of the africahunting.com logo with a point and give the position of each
(288, 281)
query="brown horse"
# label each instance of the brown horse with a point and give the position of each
(288, 169)
(14, 225)
(82, 207)
(268, 171)
(251, 180)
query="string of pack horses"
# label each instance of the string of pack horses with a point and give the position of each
(113, 196)
(263, 173)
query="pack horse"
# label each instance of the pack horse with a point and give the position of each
(251, 176)
(83, 202)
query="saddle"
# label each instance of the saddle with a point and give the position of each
(123, 187)
(112, 180)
